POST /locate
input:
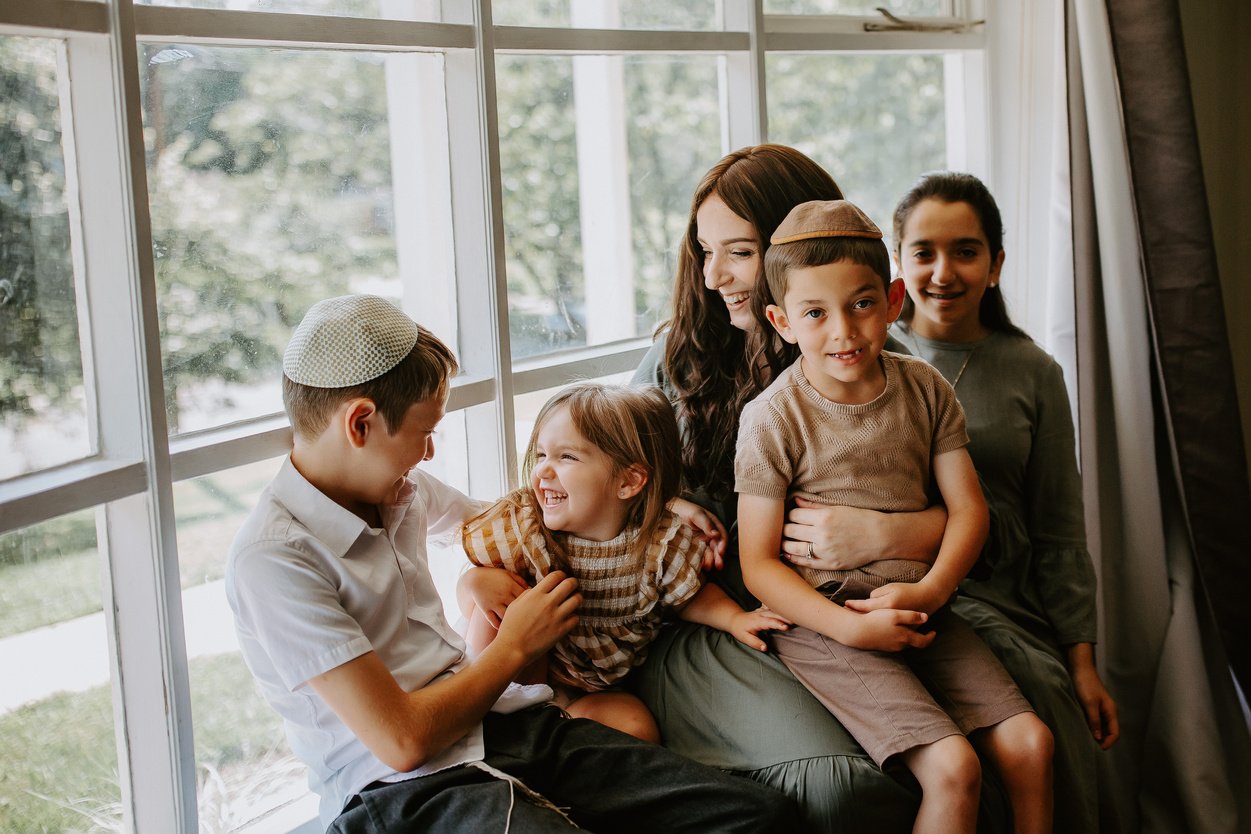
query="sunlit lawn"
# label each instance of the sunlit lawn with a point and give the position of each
(60, 767)
(58, 760)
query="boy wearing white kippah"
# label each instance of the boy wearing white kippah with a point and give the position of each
(339, 621)
(853, 425)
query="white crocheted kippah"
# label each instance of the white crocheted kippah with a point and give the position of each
(348, 340)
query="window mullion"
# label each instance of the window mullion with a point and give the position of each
(745, 120)
(478, 224)
(114, 272)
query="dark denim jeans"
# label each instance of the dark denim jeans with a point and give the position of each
(604, 780)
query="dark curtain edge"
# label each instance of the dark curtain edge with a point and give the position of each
(1186, 309)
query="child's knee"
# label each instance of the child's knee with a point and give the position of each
(622, 712)
(949, 765)
(1025, 745)
(1036, 742)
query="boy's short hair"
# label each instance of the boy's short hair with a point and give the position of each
(360, 346)
(823, 232)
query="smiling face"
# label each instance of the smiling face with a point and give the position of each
(947, 265)
(393, 455)
(575, 483)
(838, 314)
(731, 252)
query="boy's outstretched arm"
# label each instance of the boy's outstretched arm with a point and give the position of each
(405, 729)
(712, 607)
(968, 522)
(786, 592)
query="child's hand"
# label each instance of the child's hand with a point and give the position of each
(540, 616)
(745, 626)
(493, 590)
(710, 528)
(901, 596)
(887, 630)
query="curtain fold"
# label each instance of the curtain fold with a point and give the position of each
(1187, 311)
(1143, 271)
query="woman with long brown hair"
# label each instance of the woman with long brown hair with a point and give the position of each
(715, 700)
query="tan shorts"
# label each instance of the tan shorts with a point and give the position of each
(892, 702)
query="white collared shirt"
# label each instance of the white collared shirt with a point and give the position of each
(313, 586)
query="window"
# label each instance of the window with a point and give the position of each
(43, 412)
(183, 178)
(57, 740)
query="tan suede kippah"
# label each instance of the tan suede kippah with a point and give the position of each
(348, 340)
(824, 218)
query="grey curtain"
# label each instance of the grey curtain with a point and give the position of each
(1162, 457)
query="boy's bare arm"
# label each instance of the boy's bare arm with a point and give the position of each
(405, 729)
(968, 522)
(785, 592)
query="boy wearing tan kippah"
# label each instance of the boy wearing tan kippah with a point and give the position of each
(340, 623)
(851, 424)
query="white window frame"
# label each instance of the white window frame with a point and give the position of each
(135, 464)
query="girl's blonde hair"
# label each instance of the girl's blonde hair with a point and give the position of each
(633, 426)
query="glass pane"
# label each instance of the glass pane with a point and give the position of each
(58, 750)
(875, 122)
(688, 15)
(273, 185)
(43, 413)
(599, 155)
(920, 8)
(244, 767)
(425, 10)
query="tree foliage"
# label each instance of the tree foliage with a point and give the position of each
(40, 365)
(267, 193)
(269, 178)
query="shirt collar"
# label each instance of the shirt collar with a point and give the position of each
(333, 525)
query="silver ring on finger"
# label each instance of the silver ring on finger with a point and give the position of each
(810, 556)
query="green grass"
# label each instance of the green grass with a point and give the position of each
(50, 591)
(58, 756)
(58, 766)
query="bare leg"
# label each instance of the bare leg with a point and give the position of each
(619, 710)
(479, 633)
(951, 780)
(1021, 748)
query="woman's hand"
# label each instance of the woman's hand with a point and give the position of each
(1094, 697)
(841, 538)
(745, 626)
(709, 528)
(492, 591)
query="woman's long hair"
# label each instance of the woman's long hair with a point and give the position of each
(715, 367)
(955, 187)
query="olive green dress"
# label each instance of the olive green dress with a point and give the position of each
(729, 706)
(1034, 590)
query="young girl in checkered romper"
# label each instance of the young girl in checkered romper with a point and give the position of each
(601, 505)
